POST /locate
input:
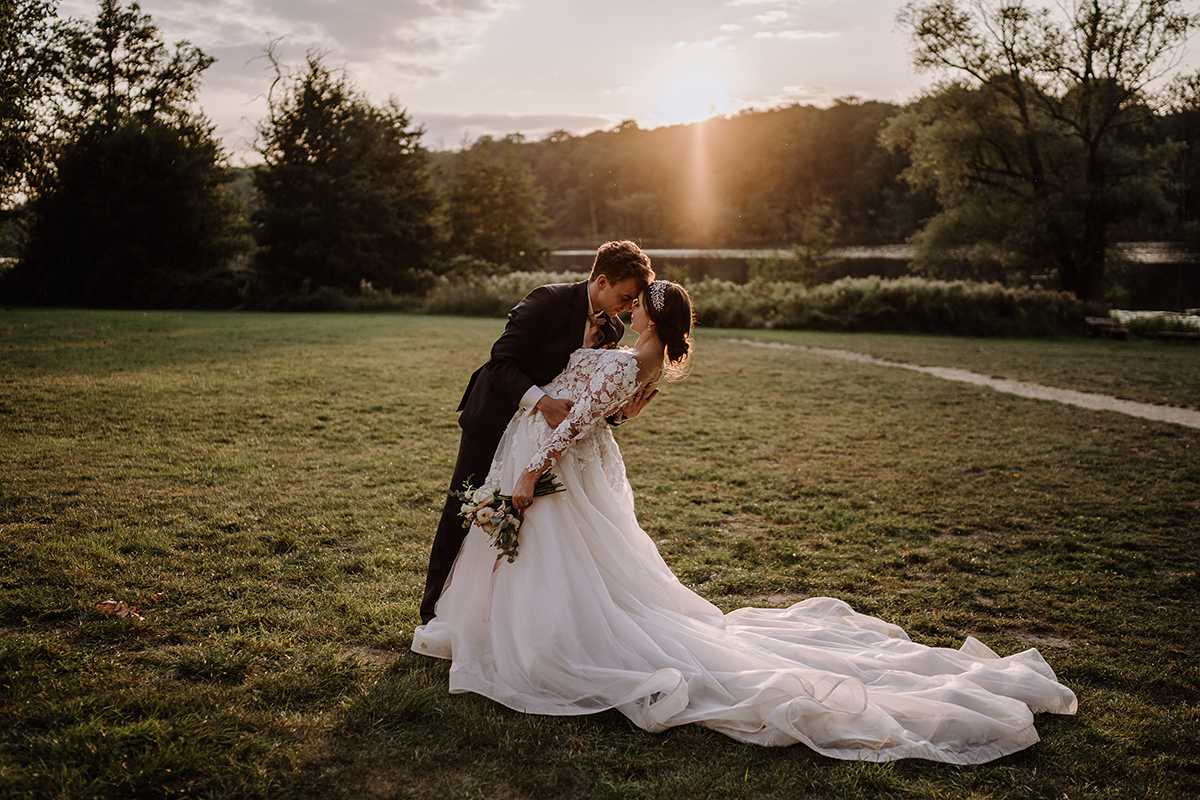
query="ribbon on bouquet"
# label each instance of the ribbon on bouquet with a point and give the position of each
(487, 608)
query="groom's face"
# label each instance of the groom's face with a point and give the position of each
(613, 298)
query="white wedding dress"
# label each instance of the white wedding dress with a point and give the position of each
(589, 617)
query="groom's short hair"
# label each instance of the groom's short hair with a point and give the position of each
(621, 261)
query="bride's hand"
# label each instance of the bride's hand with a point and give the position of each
(639, 400)
(522, 496)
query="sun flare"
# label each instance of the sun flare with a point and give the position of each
(692, 96)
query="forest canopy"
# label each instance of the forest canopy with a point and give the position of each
(1051, 134)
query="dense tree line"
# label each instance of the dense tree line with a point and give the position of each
(495, 205)
(1043, 145)
(128, 199)
(752, 179)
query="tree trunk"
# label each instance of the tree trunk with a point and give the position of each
(1083, 272)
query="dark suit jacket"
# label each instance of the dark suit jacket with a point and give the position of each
(542, 332)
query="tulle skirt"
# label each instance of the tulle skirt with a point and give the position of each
(589, 617)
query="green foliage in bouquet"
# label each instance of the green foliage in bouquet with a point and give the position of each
(495, 514)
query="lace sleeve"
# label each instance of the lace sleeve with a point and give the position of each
(609, 387)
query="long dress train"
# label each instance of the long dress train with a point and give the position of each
(589, 617)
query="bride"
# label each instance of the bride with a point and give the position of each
(589, 617)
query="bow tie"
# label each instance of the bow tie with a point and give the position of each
(598, 320)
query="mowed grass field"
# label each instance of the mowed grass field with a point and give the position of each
(264, 488)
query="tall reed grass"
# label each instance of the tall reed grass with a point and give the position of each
(1149, 324)
(907, 304)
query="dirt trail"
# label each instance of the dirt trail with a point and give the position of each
(1097, 402)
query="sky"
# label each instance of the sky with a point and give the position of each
(466, 68)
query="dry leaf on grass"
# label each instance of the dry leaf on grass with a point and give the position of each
(118, 608)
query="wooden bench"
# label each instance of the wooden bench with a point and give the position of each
(1106, 328)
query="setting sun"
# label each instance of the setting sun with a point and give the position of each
(693, 96)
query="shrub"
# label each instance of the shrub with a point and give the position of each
(332, 298)
(878, 304)
(915, 305)
(489, 295)
(372, 299)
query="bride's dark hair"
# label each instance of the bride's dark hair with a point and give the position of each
(673, 323)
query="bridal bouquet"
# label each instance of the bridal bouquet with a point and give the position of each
(494, 512)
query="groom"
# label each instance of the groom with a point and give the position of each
(543, 330)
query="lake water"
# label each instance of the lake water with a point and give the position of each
(1142, 252)
(730, 264)
(1167, 276)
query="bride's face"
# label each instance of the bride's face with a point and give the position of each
(639, 319)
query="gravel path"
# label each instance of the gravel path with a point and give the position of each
(1097, 402)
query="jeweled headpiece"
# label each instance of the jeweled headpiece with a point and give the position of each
(658, 291)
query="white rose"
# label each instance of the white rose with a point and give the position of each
(483, 495)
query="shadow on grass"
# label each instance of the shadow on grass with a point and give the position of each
(405, 736)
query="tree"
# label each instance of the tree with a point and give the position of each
(119, 67)
(136, 217)
(496, 208)
(1033, 149)
(27, 69)
(345, 192)
(1180, 122)
(134, 211)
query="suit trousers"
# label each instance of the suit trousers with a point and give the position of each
(474, 461)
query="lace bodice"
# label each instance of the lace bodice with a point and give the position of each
(598, 382)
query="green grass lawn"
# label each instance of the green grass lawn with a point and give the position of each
(264, 489)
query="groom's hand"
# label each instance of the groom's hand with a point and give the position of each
(553, 409)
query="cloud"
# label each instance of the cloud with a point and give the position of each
(809, 95)
(448, 131)
(368, 29)
(767, 17)
(716, 41)
(778, 3)
(772, 16)
(796, 34)
(386, 46)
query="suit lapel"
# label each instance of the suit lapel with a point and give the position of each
(579, 312)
